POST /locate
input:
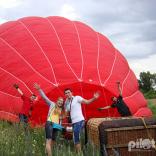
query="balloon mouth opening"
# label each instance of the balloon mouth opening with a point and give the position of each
(78, 88)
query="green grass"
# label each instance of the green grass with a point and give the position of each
(14, 142)
(152, 106)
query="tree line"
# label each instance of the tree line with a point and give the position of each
(147, 84)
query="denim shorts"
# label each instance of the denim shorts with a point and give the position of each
(51, 133)
(23, 118)
(77, 129)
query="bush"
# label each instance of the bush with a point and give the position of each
(152, 106)
(150, 94)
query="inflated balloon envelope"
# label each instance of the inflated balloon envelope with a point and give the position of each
(58, 53)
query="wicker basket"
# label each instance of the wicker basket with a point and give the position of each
(112, 135)
(93, 130)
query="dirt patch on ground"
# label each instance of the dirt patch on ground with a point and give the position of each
(152, 100)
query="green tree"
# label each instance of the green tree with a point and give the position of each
(147, 81)
(154, 78)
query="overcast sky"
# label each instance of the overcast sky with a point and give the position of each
(129, 24)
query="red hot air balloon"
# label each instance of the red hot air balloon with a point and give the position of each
(58, 53)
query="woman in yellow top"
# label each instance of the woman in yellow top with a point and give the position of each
(53, 117)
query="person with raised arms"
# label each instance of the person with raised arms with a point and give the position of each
(52, 125)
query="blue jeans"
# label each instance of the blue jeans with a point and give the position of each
(24, 120)
(77, 128)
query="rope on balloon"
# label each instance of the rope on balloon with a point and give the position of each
(17, 79)
(59, 41)
(78, 36)
(29, 65)
(46, 57)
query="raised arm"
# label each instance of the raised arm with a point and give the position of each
(95, 96)
(119, 88)
(102, 108)
(46, 99)
(18, 89)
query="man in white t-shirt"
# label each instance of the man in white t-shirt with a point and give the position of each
(73, 105)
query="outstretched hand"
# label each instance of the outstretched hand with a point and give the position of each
(99, 109)
(15, 86)
(96, 95)
(37, 86)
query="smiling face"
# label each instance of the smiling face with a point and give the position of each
(68, 93)
(33, 97)
(59, 102)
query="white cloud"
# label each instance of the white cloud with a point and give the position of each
(143, 65)
(130, 26)
(133, 49)
(132, 39)
(2, 21)
(69, 12)
(10, 3)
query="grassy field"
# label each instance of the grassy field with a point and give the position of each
(14, 141)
